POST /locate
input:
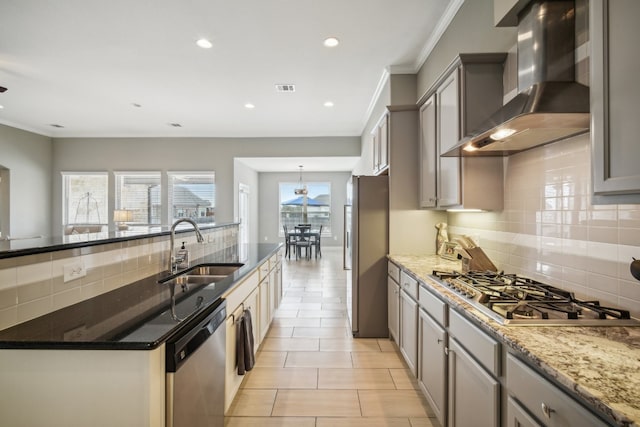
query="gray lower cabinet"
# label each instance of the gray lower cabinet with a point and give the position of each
(615, 127)
(432, 364)
(474, 395)
(542, 401)
(409, 330)
(474, 371)
(393, 308)
(517, 416)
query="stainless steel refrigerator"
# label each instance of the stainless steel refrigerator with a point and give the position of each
(367, 304)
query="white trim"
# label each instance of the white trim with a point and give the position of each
(384, 78)
(439, 30)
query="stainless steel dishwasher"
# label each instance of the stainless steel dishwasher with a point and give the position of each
(196, 372)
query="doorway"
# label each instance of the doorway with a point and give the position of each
(243, 217)
(4, 203)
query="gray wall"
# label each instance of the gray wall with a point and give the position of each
(471, 31)
(269, 190)
(185, 154)
(27, 156)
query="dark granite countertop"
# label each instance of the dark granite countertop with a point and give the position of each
(31, 245)
(599, 365)
(134, 317)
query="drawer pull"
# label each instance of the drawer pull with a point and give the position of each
(546, 410)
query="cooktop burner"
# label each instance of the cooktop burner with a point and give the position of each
(514, 300)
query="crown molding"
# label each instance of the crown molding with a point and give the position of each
(443, 24)
(384, 78)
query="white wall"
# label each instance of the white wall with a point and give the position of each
(183, 154)
(269, 227)
(28, 157)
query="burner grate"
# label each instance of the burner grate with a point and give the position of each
(513, 297)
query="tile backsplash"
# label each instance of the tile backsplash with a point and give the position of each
(550, 231)
(33, 285)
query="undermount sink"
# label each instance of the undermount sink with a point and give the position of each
(204, 274)
(214, 270)
(196, 279)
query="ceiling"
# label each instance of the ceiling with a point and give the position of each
(131, 67)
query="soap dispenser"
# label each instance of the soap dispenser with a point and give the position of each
(183, 257)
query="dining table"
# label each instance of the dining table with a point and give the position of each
(307, 238)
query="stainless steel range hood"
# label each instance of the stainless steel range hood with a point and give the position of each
(550, 105)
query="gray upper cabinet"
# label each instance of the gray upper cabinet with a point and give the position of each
(428, 156)
(467, 93)
(615, 92)
(381, 145)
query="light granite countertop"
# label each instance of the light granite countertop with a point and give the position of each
(601, 365)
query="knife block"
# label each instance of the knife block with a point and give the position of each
(474, 259)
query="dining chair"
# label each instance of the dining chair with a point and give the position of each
(317, 242)
(303, 240)
(286, 240)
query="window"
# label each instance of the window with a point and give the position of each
(313, 208)
(192, 195)
(84, 198)
(140, 193)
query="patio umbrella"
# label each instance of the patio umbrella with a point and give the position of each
(299, 201)
(303, 201)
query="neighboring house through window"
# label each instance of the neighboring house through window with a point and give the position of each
(140, 193)
(192, 195)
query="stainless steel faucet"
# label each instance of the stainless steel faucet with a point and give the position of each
(173, 266)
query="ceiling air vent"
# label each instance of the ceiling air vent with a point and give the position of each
(285, 88)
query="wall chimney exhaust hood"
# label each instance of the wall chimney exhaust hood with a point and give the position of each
(550, 105)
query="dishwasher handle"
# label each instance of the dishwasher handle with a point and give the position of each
(179, 349)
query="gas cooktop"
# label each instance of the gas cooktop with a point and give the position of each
(514, 300)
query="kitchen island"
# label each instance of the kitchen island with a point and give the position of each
(102, 361)
(597, 366)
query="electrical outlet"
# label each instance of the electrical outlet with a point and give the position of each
(73, 271)
(76, 334)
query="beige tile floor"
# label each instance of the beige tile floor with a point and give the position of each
(310, 371)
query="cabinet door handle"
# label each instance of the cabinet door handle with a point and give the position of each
(439, 340)
(546, 410)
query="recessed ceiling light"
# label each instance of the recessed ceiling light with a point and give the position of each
(331, 42)
(328, 104)
(204, 43)
(1, 107)
(249, 106)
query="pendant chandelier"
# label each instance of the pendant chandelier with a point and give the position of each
(301, 189)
